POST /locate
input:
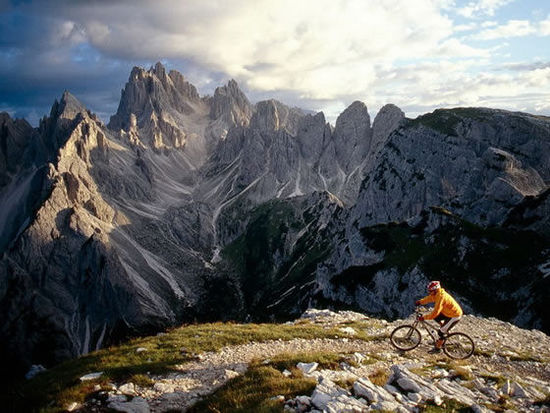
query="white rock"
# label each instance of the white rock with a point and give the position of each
(136, 405)
(476, 408)
(91, 376)
(163, 387)
(230, 374)
(116, 398)
(324, 392)
(306, 400)
(34, 370)
(307, 368)
(348, 330)
(127, 388)
(73, 406)
(345, 404)
(388, 407)
(408, 385)
(287, 373)
(358, 358)
(140, 349)
(518, 391)
(373, 393)
(507, 388)
(414, 397)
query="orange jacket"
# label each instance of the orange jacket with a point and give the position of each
(444, 304)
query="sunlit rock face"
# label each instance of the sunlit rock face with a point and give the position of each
(190, 208)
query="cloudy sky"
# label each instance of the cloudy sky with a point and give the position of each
(315, 54)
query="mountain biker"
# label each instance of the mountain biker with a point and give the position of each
(447, 312)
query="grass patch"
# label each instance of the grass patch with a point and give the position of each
(255, 389)
(496, 378)
(379, 377)
(54, 389)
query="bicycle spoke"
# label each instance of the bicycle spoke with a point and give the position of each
(405, 337)
(458, 346)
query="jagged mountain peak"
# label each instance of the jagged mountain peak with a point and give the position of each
(153, 91)
(355, 116)
(231, 104)
(388, 118)
(272, 115)
(68, 107)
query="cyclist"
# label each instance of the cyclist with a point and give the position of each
(447, 312)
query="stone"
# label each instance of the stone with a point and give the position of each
(358, 358)
(324, 392)
(348, 330)
(373, 393)
(476, 408)
(91, 376)
(345, 404)
(408, 384)
(388, 407)
(287, 373)
(305, 400)
(163, 387)
(230, 374)
(73, 406)
(136, 405)
(116, 398)
(128, 389)
(141, 349)
(507, 388)
(307, 368)
(518, 391)
(34, 370)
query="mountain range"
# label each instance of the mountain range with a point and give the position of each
(190, 208)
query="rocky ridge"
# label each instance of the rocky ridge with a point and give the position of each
(510, 370)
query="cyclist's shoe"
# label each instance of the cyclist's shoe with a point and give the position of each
(435, 350)
(439, 343)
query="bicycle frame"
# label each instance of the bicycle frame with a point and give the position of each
(430, 328)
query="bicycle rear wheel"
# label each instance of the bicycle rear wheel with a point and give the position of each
(458, 346)
(405, 337)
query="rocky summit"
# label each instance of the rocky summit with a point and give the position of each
(195, 208)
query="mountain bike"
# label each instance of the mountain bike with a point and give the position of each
(457, 346)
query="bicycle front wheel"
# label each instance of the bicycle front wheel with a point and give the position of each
(405, 337)
(458, 346)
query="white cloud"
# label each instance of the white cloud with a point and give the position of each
(319, 49)
(544, 27)
(482, 7)
(513, 28)
(316, 54)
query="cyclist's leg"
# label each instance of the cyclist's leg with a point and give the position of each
(449, 323)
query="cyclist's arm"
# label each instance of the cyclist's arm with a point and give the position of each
(426, 300)
(436, 311)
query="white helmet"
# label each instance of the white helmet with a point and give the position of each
(433, 286)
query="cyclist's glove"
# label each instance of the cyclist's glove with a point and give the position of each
(417, 302)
